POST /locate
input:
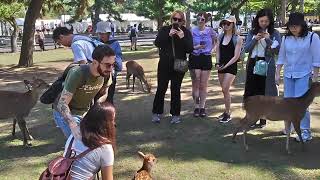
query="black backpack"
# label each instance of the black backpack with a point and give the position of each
(50, 95)
(133, 32)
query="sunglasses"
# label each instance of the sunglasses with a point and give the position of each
(201, 19)
(177, 19)
(226, 23)
(107, 65)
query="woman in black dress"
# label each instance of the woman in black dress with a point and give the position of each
(228, 52)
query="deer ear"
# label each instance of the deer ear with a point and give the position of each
(141, 154)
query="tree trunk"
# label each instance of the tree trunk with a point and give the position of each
(160, 4)
(97, 12)
(188, 20)
(283, 12)
(33, 12)
(14, 36)
(301, 9)
(235, 10)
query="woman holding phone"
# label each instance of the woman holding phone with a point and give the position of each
(200, 62)
(178, 38)
(262, 43)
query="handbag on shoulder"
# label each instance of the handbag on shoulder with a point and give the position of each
(179, 65)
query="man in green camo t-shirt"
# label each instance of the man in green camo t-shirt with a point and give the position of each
(80, 87)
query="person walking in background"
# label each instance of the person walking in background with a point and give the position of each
(98, 141)
(228, 52)
(200, 62)
(112, 27)
(177, 35)
(40, 39)
(104, 30)
(133, 34)
(262, 43)
(299, 54)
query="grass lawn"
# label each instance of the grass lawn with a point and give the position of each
(197, 148)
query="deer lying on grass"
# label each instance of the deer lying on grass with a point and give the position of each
(291, 110)
(17, 105)
(144, 173)
(133, 68)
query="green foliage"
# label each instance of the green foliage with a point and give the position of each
(8, 12)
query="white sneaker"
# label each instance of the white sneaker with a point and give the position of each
(175, 120)
(156, 118)
(306, 136)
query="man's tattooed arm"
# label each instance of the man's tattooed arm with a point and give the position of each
(63, 105)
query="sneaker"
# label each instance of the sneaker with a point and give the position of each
(259, 125)
(306, 136)
(156, 118)
(196, 112)
(222, 115)
(226, 118)
(175, 120)
(203, 112)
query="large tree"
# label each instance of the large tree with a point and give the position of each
(33, 12)
(8, 13)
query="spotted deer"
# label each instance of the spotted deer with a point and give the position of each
(291, 110)
(18, 105)
(144, 173)
(136, 70)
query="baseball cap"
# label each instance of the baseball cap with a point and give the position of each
(103, 27)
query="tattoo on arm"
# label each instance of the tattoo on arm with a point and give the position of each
(63, 105)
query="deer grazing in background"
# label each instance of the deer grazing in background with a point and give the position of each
(144, 173)
(18, 105)
(291, 110)
(133, 68)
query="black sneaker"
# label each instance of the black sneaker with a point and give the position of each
(196, 112)
(221, 116)
(226, 118)
(260, 125)
(203, 112)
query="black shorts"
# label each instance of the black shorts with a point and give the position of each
(203, 62)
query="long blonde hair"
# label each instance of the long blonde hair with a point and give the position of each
(180, 13)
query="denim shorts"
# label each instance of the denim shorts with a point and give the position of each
(62, 124)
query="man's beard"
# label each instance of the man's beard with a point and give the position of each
(103, 74)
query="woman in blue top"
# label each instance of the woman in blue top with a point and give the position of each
(200, 63)
(299, 54)
(262, 43)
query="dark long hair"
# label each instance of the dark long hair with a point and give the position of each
(263, 12)
(98, 126)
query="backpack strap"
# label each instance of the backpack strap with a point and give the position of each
(85, 69)
(68, 153)
(311, 37)
(235, 40)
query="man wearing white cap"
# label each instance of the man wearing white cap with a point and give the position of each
(104, 31)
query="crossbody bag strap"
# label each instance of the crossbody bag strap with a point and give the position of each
(173, 49)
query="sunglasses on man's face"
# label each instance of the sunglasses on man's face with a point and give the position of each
(107, 65)
(177, 19)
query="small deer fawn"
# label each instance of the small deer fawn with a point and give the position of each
(133, 68)
(18, 105)
(291, 110)
(144, 173)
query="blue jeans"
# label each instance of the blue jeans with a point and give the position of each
(62, 124)
(296, 87)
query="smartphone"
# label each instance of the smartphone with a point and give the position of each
(175, 26)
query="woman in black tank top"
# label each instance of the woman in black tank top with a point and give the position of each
(228, 52)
